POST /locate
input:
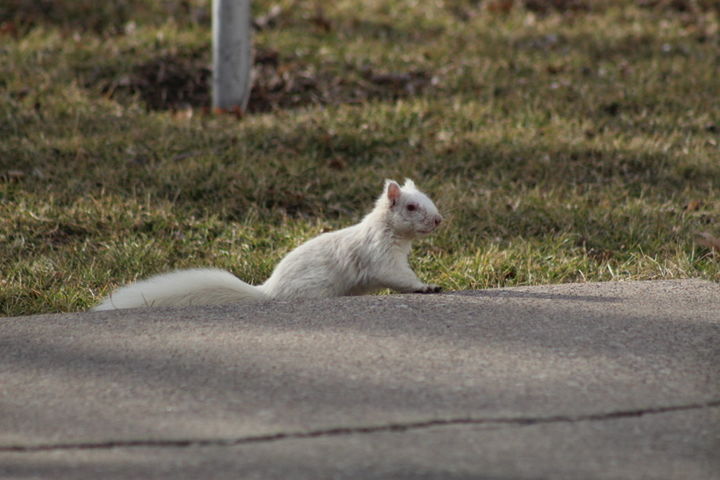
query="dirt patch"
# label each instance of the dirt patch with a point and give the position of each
(106, 18)
(182, 80)
(168, 82)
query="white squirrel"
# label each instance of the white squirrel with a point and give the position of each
(360, 259)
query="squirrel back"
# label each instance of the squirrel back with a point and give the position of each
(365, 257)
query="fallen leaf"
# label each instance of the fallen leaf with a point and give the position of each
(693, 205)
(269, 20)
(337, 163)
(707, 240)
(14, 175)
(184, 113)
(554, 69)
(321, 21)
(9, 28)
(237, 111)
(500, 6)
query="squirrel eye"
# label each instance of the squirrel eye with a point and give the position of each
(411, 207)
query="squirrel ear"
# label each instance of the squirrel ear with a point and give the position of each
(392, 190)
(409, 184)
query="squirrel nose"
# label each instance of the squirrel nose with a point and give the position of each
(438, 219)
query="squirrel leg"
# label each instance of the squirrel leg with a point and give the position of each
(403, 279)
(429, 288)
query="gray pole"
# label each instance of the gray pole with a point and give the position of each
(232, 54)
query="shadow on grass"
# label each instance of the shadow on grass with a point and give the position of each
(217, 174)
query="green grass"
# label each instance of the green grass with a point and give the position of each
(563, 145)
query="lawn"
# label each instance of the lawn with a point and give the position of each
(565, 141)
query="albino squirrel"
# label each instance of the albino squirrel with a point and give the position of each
(355, 260)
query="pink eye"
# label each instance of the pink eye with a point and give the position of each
(411, 207)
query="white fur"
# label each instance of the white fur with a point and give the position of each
(355, 260)
(184, 287)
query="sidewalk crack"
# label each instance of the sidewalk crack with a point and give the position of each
(360, 430)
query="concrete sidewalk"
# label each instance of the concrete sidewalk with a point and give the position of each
(581, 381)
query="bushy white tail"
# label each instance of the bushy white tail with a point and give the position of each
(182, 288)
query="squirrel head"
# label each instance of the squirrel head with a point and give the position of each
(410, 212)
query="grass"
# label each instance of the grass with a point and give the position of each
(565, 141)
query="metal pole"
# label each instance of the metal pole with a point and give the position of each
(232, 54)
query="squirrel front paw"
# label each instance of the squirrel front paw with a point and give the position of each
(429, 288)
